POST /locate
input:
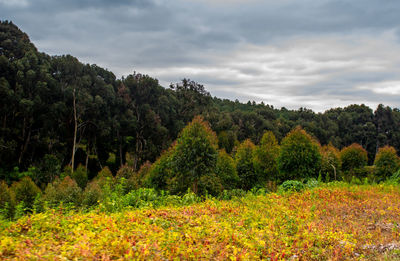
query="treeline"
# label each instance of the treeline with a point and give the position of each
(195, 166)
(57, 112)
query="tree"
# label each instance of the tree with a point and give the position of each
(195, 155)
(353, 157)
(387, 162)
(265, 158)
(299, 156)
(244, 165)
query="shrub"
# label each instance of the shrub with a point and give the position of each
(330, 162)
(353, 156)
(92, 194)
(291, 186)
(66, 191)
(125, 172)
(225, 169)
(299, 156)
(160, 171)
(80, 176)
(244, 165)
(25, 191)
(265, 158)
(387, 162)
(6, 200)
(105, 173)
(395, 178)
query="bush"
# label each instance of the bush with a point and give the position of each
(92, 194)
(233, 193)
(6, 200)
(80, 176)
(366, 172)
(25, 191)
(395, 178)
(245, 165)
(160, 171)
(330, 162)
(125, 172)
(353, 157)
(66, 191)
(299, 156)
(387, 162)
(291, 186)
(105, 173)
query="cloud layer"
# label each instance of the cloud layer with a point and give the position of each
(310, 53)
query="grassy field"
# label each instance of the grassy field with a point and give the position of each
(326, 223)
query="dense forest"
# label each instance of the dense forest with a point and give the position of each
(60, 116)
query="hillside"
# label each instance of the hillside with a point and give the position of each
(136, 117)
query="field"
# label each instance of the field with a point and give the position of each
(338, 222)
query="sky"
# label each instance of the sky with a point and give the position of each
(317, 54)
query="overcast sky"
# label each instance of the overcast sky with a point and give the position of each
(317, 54)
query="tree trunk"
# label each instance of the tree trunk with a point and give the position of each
(334, 170)
(75, 133)
(195, 187)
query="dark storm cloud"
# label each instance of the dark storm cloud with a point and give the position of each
(314, 53)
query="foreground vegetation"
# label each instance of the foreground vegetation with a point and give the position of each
(335, 221)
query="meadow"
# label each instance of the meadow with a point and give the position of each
(335, 221)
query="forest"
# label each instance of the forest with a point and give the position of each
(68, 128)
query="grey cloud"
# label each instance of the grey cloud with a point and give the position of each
(289, 52)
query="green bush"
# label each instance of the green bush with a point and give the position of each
(366, 172)
(6, 200)
(353, 157)
(25, 191)
(92, 194)
(80, 176)
(330, 162)
(66, 191)
(387, 162)
(299, 156)
(105, 173)
(291, 186)
(233, 193)
(125, 172)
(160, 171)
(395, 178)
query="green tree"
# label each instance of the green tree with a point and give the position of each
(353, 157)
(25, 191)
(195, 154)
(244, 165)
(299, 156)
(266, 156)
(387, 162)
